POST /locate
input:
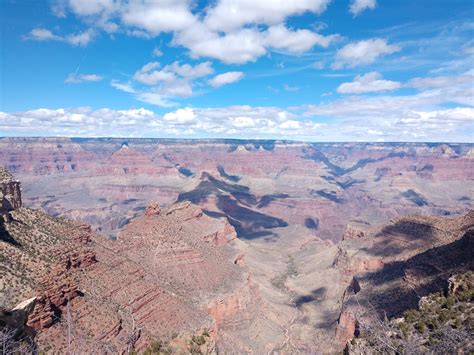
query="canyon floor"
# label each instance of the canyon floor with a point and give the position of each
(257, 246)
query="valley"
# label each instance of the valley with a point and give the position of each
(265, 246)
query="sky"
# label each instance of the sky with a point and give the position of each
(309, 70)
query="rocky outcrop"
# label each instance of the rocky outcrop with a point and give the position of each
(153, 209)
(14, 328)
(10, 194)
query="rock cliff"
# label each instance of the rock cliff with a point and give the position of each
(10, 194)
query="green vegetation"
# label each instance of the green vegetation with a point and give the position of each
(158, 347)
(198, 342)
(290, 271)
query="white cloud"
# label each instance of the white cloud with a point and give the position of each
(180, 116)
(239, 47)
(370, 82)
(42, 34)
(158, 15)
(350, 119)
(442, 81)
(227, 30)
(150, 75)
(188, 71)
(229, 15)
(79, 39)
(171, 81)
(123, 87)
(91, 7)
(226, 78)
(290, 124)
(295, 41)
(357, 6)
(363, 52)
(243, 122)
(248, 44)
(438, 118)
(74, 78)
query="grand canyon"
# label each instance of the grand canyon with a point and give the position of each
(262, 177)
(228, 246)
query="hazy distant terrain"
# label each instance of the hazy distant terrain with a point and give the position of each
(264, 187)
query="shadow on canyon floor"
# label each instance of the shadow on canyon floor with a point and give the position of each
(396, 238)
(6, 236)
(315, 296)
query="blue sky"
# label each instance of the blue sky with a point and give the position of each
(315, 70)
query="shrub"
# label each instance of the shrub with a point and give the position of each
(420, 326)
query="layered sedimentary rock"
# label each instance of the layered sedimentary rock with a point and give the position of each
(264, 250)
(106, 182)
(164, 278)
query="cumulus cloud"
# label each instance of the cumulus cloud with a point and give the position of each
(296, 41)
(149, 74)
(229, 15)
(349, 119)
(228, 30)
(75, 78)
(248, 44)
(233, 121)
(239, 47)
(158, 16)
(363, 52)
(358, 6)
(226, 78)
(162, 84)
(370, 82)
(180, 116)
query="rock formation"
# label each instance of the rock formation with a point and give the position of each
(257, 247)
(10, 194)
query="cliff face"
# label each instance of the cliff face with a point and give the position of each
(10, 194)
(395, 265)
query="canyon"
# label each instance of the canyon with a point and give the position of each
(253, 246)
